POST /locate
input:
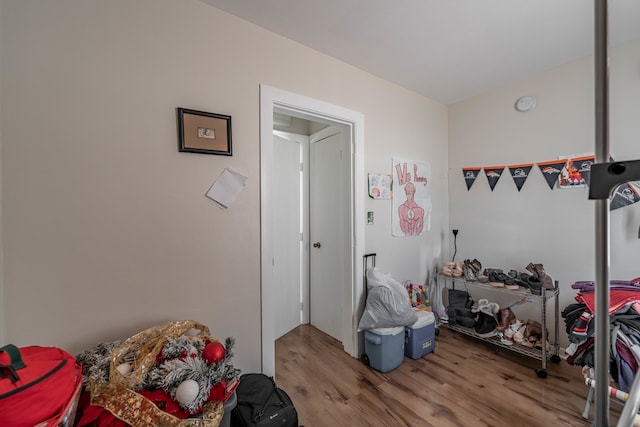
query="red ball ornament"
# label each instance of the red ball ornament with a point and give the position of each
(218, 391)
(213, 352)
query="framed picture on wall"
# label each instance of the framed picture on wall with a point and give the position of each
(202, 132)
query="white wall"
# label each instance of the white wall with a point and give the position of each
(106, 227)
(508, 229)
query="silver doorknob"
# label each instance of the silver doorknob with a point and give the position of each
(317, 245)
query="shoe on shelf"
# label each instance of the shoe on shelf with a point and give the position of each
(509, 333)
(504, 340)
(486, 321)
(487, 271)
(526, 343)
(469, 272)
(533, 283)
(476, 265)
(457, 270)
(496, 279)
(511, 283)
(538, 271)
(518, 335)
(506, 318)
(487, 334)
(447, 269)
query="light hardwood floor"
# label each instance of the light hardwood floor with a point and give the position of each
(465, 382)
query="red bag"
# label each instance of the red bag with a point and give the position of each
(38, 385)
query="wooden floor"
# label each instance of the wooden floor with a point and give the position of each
(465, 382)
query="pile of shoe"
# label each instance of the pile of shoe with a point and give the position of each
(472, 271)
(452, 269)
(515, 279)
(533, 335)
(498, 279)
(491, 320)
(526, 334)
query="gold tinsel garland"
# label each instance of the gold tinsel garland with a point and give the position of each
(119, 395)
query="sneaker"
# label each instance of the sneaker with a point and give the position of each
(504, 340)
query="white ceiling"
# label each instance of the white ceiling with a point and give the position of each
(447, 50)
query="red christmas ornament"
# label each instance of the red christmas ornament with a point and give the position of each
(213, 352)
(218, 391)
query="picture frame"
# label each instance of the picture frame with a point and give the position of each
(203, 132)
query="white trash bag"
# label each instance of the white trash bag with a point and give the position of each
(388, 303)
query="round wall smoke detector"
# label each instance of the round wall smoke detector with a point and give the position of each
(525, 103)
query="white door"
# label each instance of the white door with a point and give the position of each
(287, 226)
(272, 99)
(329, 230)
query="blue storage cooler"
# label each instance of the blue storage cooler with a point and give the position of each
(420, 338)
(384, 347)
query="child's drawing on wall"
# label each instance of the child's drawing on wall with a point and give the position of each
(412, 198)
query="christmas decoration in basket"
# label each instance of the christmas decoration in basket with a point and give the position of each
(174, 374)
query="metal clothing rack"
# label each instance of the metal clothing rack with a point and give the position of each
(605, 177)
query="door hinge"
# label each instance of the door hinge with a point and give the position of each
(301, 167)
(301, 306)
(302, 237)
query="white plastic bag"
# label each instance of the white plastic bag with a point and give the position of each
(388, 303)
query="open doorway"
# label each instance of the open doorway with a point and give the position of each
(275, 100)
(310, 187)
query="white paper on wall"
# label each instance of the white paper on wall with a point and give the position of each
(226, 188)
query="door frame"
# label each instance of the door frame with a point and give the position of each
(271, 98)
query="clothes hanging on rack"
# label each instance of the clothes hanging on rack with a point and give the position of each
(624, 321)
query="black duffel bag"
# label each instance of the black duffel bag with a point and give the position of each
(262, 404)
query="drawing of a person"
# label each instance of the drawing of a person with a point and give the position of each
(411, 215)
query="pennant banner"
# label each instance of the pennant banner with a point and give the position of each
(576, 171)
(493, 174)
(551, 170)
(520, 173)
(470, 175)
(625, 195)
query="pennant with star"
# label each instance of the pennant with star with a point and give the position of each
(493, 174)
(626, 194)
(520, 173)
(551, 170)
(470, 175)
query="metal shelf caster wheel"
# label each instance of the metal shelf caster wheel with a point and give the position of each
(541, 373)
(365, 359)
(555, 358)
